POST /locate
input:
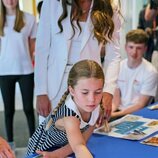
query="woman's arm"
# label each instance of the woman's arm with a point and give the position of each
(150, 13)
(113, 57)
(112, 64)
(42, 50)
(5, 150)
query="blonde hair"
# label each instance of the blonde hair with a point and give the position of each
(82, 69)
(19, 21)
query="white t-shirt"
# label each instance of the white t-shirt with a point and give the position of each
(134, 82)
(14, 52)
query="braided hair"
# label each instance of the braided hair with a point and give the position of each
(82, 69)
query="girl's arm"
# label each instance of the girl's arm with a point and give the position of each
(76, 139)
(66, 150)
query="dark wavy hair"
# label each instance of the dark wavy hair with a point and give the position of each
(101, 16)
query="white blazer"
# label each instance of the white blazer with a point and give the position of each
(52, 49)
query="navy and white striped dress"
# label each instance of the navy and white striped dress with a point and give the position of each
(45, 140)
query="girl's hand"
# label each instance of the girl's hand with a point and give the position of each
(46, 154)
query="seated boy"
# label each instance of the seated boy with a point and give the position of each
(137, 80)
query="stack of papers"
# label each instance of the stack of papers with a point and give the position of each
(153, 107)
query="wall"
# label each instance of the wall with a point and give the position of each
(130, 10)
(28, 6)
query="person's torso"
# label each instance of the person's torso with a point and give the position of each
(15, 56)
(131, 82)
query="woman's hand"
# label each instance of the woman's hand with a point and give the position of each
(105, 113)
(43, 105)
(5, 150)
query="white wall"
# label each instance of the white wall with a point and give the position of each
(26, 5)
(130, 10)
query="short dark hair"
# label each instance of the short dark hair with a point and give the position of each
(137, 36)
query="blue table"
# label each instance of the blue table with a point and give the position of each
(109, 147)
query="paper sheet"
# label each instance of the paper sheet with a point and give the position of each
(151, 141)
(131, 127)
(153, 107)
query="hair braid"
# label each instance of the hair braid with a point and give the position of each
(62, 100)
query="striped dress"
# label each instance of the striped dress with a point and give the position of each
(52, 138)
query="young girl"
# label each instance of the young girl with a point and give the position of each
(73, 120)
(17, 38)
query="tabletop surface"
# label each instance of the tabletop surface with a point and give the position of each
(103, 146)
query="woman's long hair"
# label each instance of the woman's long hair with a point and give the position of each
(101, 16)
(19, 21)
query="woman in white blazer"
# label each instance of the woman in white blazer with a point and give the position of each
(61, 41)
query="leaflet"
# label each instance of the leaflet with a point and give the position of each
(151, 141)
(130, 127)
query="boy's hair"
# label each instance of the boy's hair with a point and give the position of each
(137, 36)
(82, 69)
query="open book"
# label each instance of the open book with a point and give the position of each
(131, 127)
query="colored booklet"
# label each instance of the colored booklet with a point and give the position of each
(151, 141)
(130, 127)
